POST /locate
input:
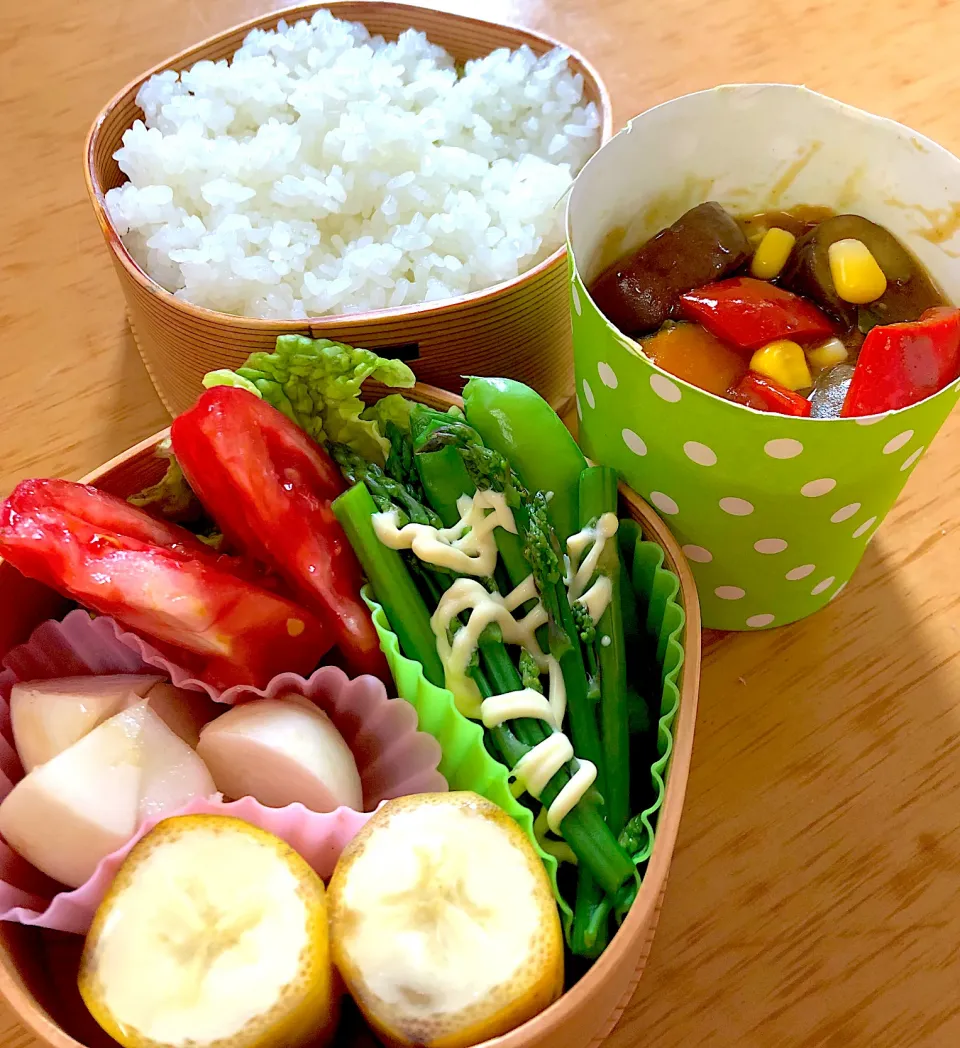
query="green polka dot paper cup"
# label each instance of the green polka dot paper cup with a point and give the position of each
(773, 512)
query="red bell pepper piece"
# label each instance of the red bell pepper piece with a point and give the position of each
(269, 487)
(758, 391)
(749, 313)
(902, 364)
(158, 580)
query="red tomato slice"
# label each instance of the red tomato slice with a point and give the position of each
(221, 627)
(269, 487)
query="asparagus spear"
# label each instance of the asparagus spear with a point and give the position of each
(598, 495)
(392, 584)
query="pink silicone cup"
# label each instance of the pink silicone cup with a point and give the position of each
(318, 838)
(394, 758)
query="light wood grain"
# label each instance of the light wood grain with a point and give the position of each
(813, 898)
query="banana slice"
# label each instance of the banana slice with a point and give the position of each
(443, 924)
(214, 932)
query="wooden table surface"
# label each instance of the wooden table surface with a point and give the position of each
(814, 894)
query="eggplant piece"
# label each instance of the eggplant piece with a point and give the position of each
(640, 291)
(910, 291)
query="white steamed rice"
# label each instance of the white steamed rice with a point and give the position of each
(324, 170)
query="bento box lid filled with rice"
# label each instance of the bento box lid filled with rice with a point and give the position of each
(385, 175)
(322, 169)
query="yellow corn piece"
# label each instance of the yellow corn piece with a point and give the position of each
(772, 253)
(856, 274)
(831, 352)
(784, 362)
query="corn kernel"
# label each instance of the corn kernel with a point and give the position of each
(831, 352)
(772, 253)
(784, 362)
(856, 274)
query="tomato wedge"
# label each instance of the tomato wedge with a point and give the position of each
(269, 487)
(158, 580)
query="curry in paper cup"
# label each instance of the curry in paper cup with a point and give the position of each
(773, 510)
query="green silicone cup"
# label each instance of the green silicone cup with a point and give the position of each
(773, 513)
(466, 764)
(658, 589)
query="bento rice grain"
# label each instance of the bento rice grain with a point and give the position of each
(324, 170)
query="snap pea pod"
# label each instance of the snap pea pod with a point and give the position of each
(516, 421)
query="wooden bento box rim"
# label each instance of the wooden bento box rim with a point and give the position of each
(344, 321)
(640, 922)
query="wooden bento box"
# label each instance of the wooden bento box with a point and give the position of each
(38, 968)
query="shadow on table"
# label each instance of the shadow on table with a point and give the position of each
(137, 405)
(819, 854)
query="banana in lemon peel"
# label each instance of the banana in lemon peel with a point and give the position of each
(214, 931)
(443, 923)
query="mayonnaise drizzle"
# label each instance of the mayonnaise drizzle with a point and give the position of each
(560, 850)
(469, 547)
(526, 703)
(596, 599)
(537, 767)
(581, 569)
(484, 607)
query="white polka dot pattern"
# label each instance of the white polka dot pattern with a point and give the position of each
(813, 489)
(607, 375)
(845, 513)
(700, 453)
(783, 448)
(665, 388)
(769, 546)
(634, 442)
(897, 442)
(911, 459)
(664, 503)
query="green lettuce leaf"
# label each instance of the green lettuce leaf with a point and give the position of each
(316, 383)
(171, 497)
(393, 408)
